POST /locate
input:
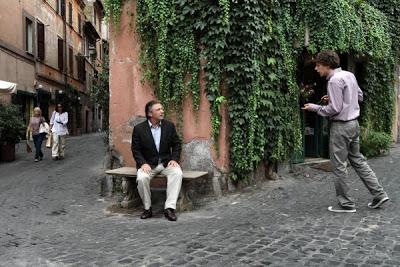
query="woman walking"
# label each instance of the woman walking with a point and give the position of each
(37, 135)
(58, 125)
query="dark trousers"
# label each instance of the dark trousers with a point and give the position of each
(38, 140)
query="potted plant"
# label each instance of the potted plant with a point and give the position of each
(12, 129)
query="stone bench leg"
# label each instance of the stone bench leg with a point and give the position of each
(131, 198)
(184, 201)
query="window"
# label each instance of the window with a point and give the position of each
(86, 51)
(81, 68)
(61, 7)
(79, 116)
(70, 13)
(29, 36)
(58, 6)
(79, 23)
(60, 54)
(40, 41)
(71, 61)
(90, 82)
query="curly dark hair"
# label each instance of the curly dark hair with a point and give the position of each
(328, 58)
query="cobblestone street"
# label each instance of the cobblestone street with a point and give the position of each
(53, 215)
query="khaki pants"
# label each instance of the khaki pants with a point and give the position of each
(345, 145)
(174, 176)
(58, 145)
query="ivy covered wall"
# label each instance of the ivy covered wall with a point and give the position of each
(249, 51)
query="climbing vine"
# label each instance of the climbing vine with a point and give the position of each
(365, 29)
(391, 9)
(113, 9)
(249, 51)
(170, 52)
(345, 26)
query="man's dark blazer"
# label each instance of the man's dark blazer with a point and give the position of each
(144, 149)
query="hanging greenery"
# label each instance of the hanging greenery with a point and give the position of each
(249, 51)
(356, 27)
(170, 52)
(345, 26)
(263, 94)
(391, 9)
(378, 108)
(113, 9)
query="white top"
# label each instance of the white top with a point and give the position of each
(59, 122)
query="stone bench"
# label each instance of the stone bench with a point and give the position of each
(132, 198)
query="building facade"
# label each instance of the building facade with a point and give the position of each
(52, 49)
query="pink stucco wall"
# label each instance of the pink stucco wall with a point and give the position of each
(128, 96)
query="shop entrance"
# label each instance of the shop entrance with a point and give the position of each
(315, 127)
(312, 88)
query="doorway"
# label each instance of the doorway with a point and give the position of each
(315, 128)
(87, 121)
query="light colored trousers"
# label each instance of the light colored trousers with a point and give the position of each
(174, 183)
(345, 145)
(58, 147)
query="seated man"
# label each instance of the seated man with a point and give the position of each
(156, 148)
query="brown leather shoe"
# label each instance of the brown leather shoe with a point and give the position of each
(170, 215)
(146, 214)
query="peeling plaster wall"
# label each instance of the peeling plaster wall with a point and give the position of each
(128, 95)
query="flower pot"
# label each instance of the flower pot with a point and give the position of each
(7, 152)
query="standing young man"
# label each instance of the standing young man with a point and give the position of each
(343, 109)
(156, 148)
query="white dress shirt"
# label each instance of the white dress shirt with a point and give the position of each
(156, 132)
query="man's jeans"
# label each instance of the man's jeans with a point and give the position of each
(38, 140)
(345, 145)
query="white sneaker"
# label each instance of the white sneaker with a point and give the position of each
(341, 209)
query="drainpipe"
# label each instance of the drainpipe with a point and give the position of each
(64, 8)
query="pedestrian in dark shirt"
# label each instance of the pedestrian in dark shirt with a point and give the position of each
(343, 109)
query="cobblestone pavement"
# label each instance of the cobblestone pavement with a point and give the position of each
(52, 215)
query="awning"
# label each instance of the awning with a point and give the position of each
(7, 87)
